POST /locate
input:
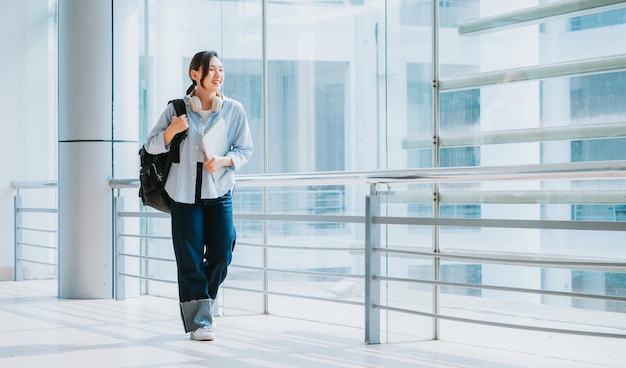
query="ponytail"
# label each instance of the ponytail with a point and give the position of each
(191, 88)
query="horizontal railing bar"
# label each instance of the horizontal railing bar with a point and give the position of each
(36, 230)
(580, 170)
(501, 223)
(619, 266)
(349, 249)
(532, 135)
(268, 292)
(138, 236)
(565, 196)
(500, 324)
(36, 210)
(536, 14)
(268, 217)
(300, 218)
(573, 170)
(148, 278)
(37, 262)
(532, 73)
(475, 197)
(34, 184)
(131, 255)
(124, 183)
(504, 288)
(305, 248)
(534, 197)
(37, 245)
(308, 273)
(145, 214)
(490, 259)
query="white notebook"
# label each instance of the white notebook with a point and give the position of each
(215, 142)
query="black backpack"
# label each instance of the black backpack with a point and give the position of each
(155, 168)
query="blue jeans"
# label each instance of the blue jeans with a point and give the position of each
(204, 238)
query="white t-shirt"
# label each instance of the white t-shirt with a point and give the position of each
(204, 116)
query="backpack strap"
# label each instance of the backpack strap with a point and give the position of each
(174, 155)
(179, 106)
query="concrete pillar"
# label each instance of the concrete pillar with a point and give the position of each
(85, 47)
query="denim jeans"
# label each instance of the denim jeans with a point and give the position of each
(204, 238)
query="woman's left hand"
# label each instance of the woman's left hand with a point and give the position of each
(213, 163)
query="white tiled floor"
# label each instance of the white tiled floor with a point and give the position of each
(39, 330)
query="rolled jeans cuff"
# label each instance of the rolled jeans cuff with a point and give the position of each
(196, 314)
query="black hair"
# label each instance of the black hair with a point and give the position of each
(200, 60)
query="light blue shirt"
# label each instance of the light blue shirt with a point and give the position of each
(181, 180)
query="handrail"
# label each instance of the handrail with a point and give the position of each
(38, 184)
(33, 184)
(576, 170)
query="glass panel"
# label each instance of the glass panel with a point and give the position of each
(350, 87)
(242, 59)
(323, 67)
(409, 85)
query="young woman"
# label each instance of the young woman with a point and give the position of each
(200, 186)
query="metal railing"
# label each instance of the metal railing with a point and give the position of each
(374, 222)
(24, 250)
(374, 249)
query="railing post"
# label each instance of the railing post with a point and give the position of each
(372, 268)
(119, 260)
(18, 266)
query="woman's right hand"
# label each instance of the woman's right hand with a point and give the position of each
(179, 124)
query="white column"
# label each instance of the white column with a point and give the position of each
(85, 148)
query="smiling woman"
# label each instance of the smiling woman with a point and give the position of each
(203, 232)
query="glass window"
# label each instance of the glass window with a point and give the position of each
(597, 20)
(351, 85)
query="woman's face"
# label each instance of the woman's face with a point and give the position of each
(215, 77)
